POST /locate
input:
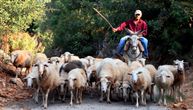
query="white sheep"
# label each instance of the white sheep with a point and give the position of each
(34, 75)
(40, 58)
(141, 82)
(92, 76)
(152, 71)
(55, 60)
(106, 75)
(110, 72)
(163, 79)
(68, 57)
(90, 59)
(77, 82)
(126, 85)
(179, 76)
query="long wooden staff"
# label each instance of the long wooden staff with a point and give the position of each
(103, 17)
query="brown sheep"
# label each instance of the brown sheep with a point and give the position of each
(22, 59)
(49, 79)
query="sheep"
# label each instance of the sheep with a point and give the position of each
(68, 57)
(40, 58)
(92, 75)
(21, 59)
(63, 87)
(33, 75)
(179, 79)
(141, 82)
(179, 76)
(106, 76)
(152, 71)
(55, 60)
(85, 62)
(72, 65)
(63, 72)
(49, 80)
(164, 79)
(77, 82)
(90, 59)
(127, 78)
(110, 73)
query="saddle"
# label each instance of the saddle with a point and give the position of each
(126, 47)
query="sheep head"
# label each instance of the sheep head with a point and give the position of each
(105, 82)
(179, 64)
(42, 67)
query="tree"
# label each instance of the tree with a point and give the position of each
(79, 29)
(17, 15)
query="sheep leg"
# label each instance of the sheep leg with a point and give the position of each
(17, 73)
(137, 99)
(65, 91)
(76, 96)
(71, 98)
(142, 98)
(108, 94)
(36, 95)
(125, 94)
(152, 94)
(101, 98)
(180, 94)
(164, 97)
(53, 95)
(46, 99)
(80, 95)
(43, 97)
(160, 96)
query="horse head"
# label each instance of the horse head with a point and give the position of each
(133, 43)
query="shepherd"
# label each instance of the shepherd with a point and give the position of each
(134, 25)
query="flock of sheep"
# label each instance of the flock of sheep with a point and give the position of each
(69, 74)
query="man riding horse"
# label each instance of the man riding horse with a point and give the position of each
(135, 26)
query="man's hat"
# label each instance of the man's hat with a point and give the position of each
(138, 12)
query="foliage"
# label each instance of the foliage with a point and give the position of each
(23, 41)
(78, 28)
(73, 25)
(17, 15)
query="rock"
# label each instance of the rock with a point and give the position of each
(181, 106)
(17, 81)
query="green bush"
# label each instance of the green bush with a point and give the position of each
(23, 41)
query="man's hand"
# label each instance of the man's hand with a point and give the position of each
(139, 35)
(114, 29)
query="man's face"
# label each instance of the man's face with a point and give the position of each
(137, 16)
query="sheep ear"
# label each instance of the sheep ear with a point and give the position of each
(49, 61)
(45, 65)
(57, 61)
(139, 72)
(129, 73)
(110, 79)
